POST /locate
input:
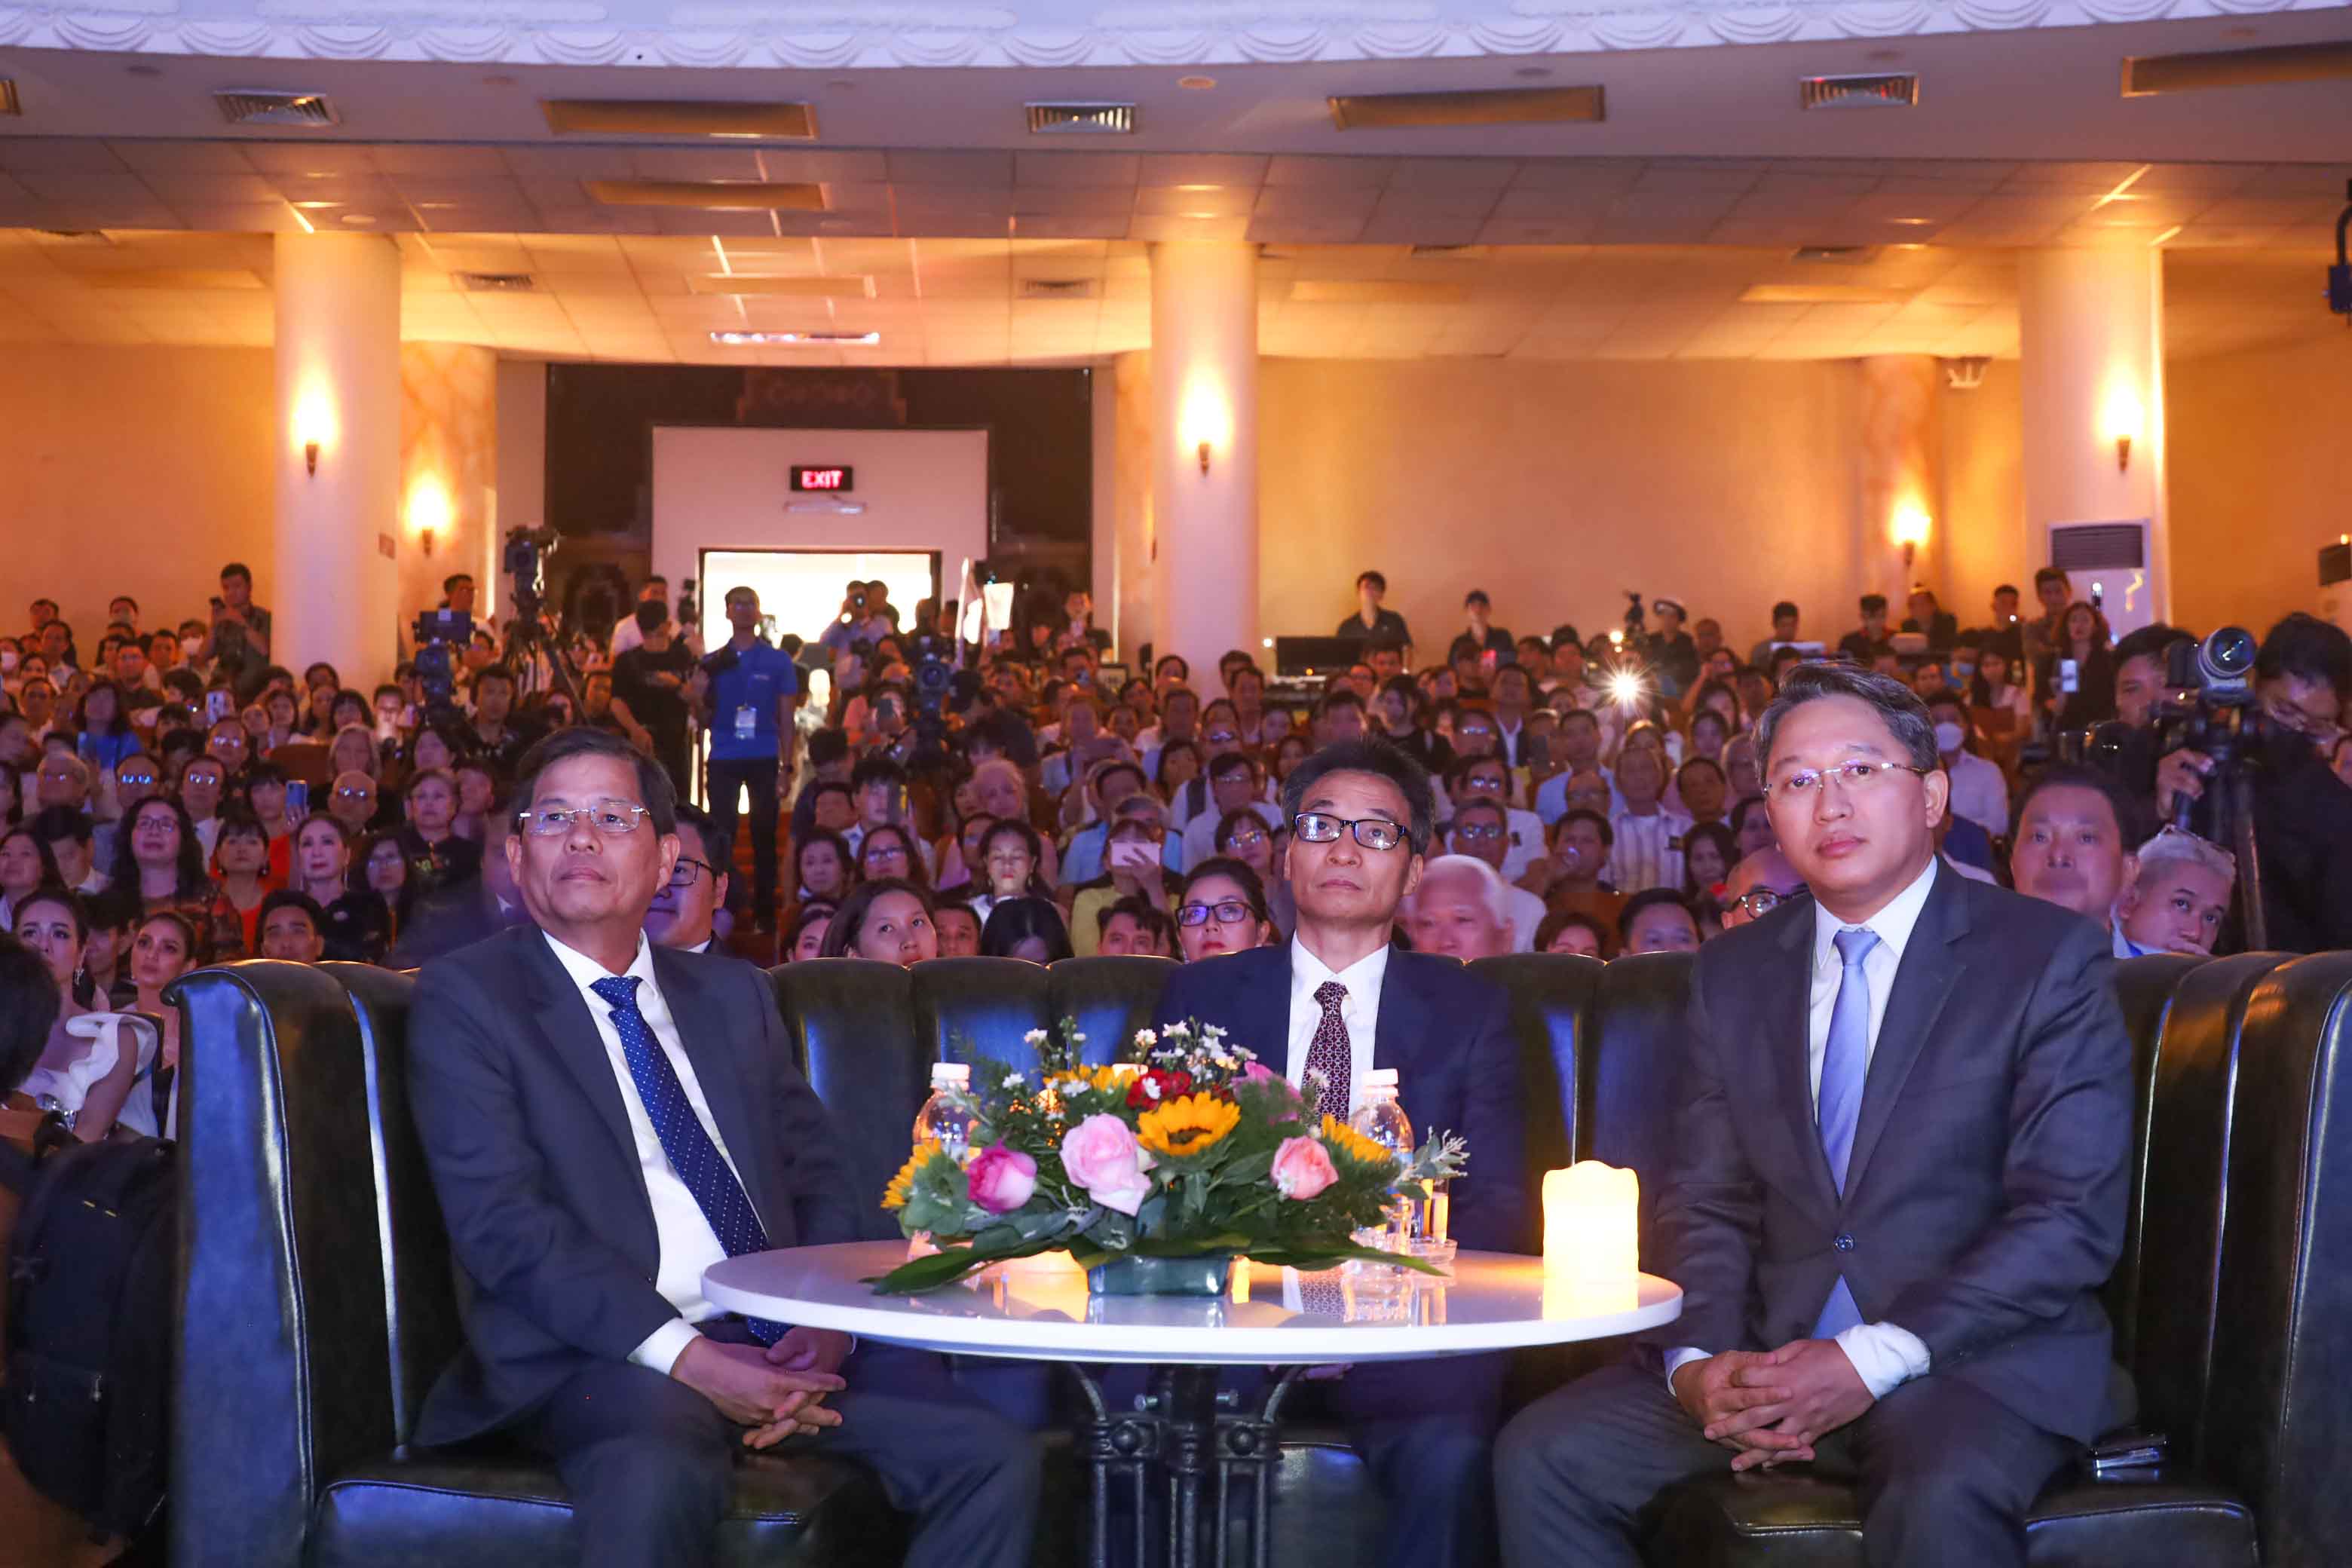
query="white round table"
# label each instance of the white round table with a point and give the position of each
(1187, 1444)
(1493, 1302)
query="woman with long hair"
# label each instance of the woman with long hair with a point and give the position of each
(887, 919)
(1223, 910)
(804, 936)
(157, 853)
(163, 946)
(2076, 682)
(823, 870)
(1244, 836)
(25, 863)
(381, 866)
(88, 1066)
(887, 852)
(1709, 852)
(106, 736)
(1010, 854)
(241, 870)
(358, 928)
(1026, 928)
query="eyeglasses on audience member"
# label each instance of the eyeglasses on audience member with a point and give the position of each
(611, 817)
(1226, 912)
(1371, 832)
(687, 869)
(1854, 775)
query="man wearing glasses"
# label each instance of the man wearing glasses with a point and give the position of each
(1761, 883)
(684, 912)
(1897, 1181)
(1326, 1009)
(604, 1120)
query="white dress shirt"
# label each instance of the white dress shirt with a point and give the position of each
(1360, 1010)
(1525, 845)
(1885, 1355)
(1979, 792)
(689, 1244)
(1528, 913)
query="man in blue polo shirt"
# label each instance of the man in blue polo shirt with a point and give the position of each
(749, 692)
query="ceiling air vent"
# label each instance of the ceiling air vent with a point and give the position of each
(1836, 254)
(1081, 120)
(672, 117)
(1490, 106)
(495, 282)
(9, 102)
(1858, 92)
(1058, 289)
(267, 106)
(2236, 68)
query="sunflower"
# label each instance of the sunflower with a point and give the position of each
(1342, 1139)
(1186, 1125)
(894, 1197)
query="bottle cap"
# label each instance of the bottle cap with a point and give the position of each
(955, 1072)
(1380, 1078)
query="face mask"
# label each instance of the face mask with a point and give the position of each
(1948, 737)
(191, 646)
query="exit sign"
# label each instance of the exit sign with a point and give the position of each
(830, 477)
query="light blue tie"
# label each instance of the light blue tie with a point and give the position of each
(1845, 1063)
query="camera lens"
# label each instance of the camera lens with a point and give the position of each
(2229, 654)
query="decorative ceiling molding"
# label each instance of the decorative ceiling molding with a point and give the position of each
(812, 35)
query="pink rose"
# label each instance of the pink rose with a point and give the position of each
(1301, 1169)
(1001, 1179)
(1101, 1155)
(1256, 1072)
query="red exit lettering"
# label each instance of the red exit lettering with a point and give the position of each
(820, 479)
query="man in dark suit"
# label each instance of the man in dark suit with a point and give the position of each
(605, 1119)
(1899, 1175)
(1339, 1001)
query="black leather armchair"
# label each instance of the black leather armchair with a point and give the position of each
(319, 1300)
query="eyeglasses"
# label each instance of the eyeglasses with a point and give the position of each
(886, 852)
(135, 781)
(1479, 835)
(686, 870)
(1246, 835)
(348, 792)
(1854, 775)
(1371, 832)
(610, 817)
(1761, 902)
(1228, 912)
(1484, 783)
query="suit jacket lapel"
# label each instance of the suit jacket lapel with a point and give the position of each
(563, 1022)
(1784, 1003)
(1923, 982)
(702, 1032)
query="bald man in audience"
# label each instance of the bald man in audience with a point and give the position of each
(2180, 899)
(1460, 910)
(1761, 883)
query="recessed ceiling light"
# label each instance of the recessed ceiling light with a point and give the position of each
(359, 220)
(823, 340)
(1200, 187)
(1912, 222)
(314, 206)
(1196, 83)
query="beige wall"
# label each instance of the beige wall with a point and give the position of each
(1556, 486)
(448, 470)
(2261, 468)
(133, 470)
(1981, 538)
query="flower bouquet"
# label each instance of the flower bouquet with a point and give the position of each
(1187, 1148)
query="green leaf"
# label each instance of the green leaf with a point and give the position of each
(1189, 1246)
(1310, 1258)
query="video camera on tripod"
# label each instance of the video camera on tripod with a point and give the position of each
(525, 561)
(441, 637)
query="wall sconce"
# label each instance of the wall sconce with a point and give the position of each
(1912, 525)
(428, 509)
(1204, 456)
(2124, 418)
(1205, 420)
(314, 424)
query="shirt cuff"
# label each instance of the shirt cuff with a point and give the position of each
(662, 1348)
(1680, 1357)
(1885, 1355)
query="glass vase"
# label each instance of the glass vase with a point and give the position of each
(1201, 1273)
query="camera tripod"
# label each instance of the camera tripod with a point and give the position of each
(2229, 789)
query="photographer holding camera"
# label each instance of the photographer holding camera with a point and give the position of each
(747, 693)
(2266, 741)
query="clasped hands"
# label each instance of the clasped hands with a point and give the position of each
(1770, 1408)
(777, 1392)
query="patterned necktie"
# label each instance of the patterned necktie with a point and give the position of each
(692, 1154)
(1329, 1053)
(1845, 1063)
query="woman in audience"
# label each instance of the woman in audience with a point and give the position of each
(803, 937)
(887, 919)
(284, 725)
(163, 946)
(1657, 921)
(886, 853)
(1997, 702)
(959, 929)
(1709, 852)
(156, 852)
(105, 984)
(2076, 682)
(823, 867)
(348, 709)
(353, 750)
(1009, 857)
(106, 735)
(1027, 928)
(437, 857)
(1565, 931)
(1223, 910)
(1289, 752)
(241, 867)
(87, 1070)
(1178, 764)
(960, 874)
(25, 863)
(355, 926)
(1244, 836)
(1135, 873)
(381, 868)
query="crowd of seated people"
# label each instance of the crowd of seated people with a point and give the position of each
(177, 789)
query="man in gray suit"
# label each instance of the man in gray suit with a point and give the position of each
(1898, 1177)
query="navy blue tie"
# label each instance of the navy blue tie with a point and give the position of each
(692, 1154)
(1845, 1063)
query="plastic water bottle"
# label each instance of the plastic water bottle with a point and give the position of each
(1381, 1118)
(939, 1120)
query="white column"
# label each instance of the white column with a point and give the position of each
(2091, 342)
(1204, 399)
(334, 591)
(1898, 478)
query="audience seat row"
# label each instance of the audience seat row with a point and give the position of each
(319, 1300)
